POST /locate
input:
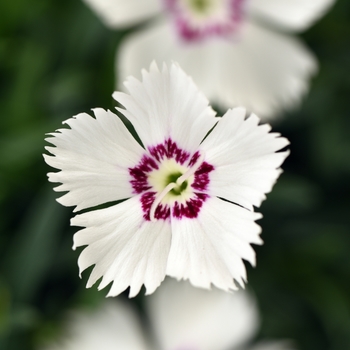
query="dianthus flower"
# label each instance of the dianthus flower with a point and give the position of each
(180, 317)
(239, 52)
(186, 197)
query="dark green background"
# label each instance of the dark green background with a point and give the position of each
(56, 60)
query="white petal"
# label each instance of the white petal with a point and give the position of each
(209, 249)
(274, 345)
(289, 14)
(125, 248)
(244, 159)
(185, 317)
(114, 325)
(166, 104)
(159, 41)
(262, 70)
(123, 13)
(94, 157)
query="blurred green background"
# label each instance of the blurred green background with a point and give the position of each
(56, 60)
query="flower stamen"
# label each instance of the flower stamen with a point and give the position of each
(178, 184)
(190, 171)
(159, 198)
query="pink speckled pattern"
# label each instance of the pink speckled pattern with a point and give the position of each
(188, 32)
(150, 162)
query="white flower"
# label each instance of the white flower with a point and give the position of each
(177, 217)
(239, 52)
(181, 318)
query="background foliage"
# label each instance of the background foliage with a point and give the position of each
(56, 60)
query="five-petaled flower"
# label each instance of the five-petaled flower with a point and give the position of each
(186, 196)
(238, 52)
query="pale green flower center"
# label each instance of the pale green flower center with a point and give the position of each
(169, 172)
(178, 189)
(172, 183)
(202, 6)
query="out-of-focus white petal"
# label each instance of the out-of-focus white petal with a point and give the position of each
(264, 71)
(244, 156)
(274, 345)
(167, 104)
(185, 317)
(289, 14)
(112, 326)
(155, 42)
(94, 156)
(125, 248)
(124, 13)
(210, 249)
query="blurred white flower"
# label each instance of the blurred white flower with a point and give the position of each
(173, 220)
(181, 318)
(239, 52)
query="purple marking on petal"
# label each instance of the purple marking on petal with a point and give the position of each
(169, 149)
(175, 152)
(201, 177)
(194, 34)
(191, 208)
(159, 152)
(148, 163)
(139, 174)
(162, 211)
(194, 159)
(189, 33)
